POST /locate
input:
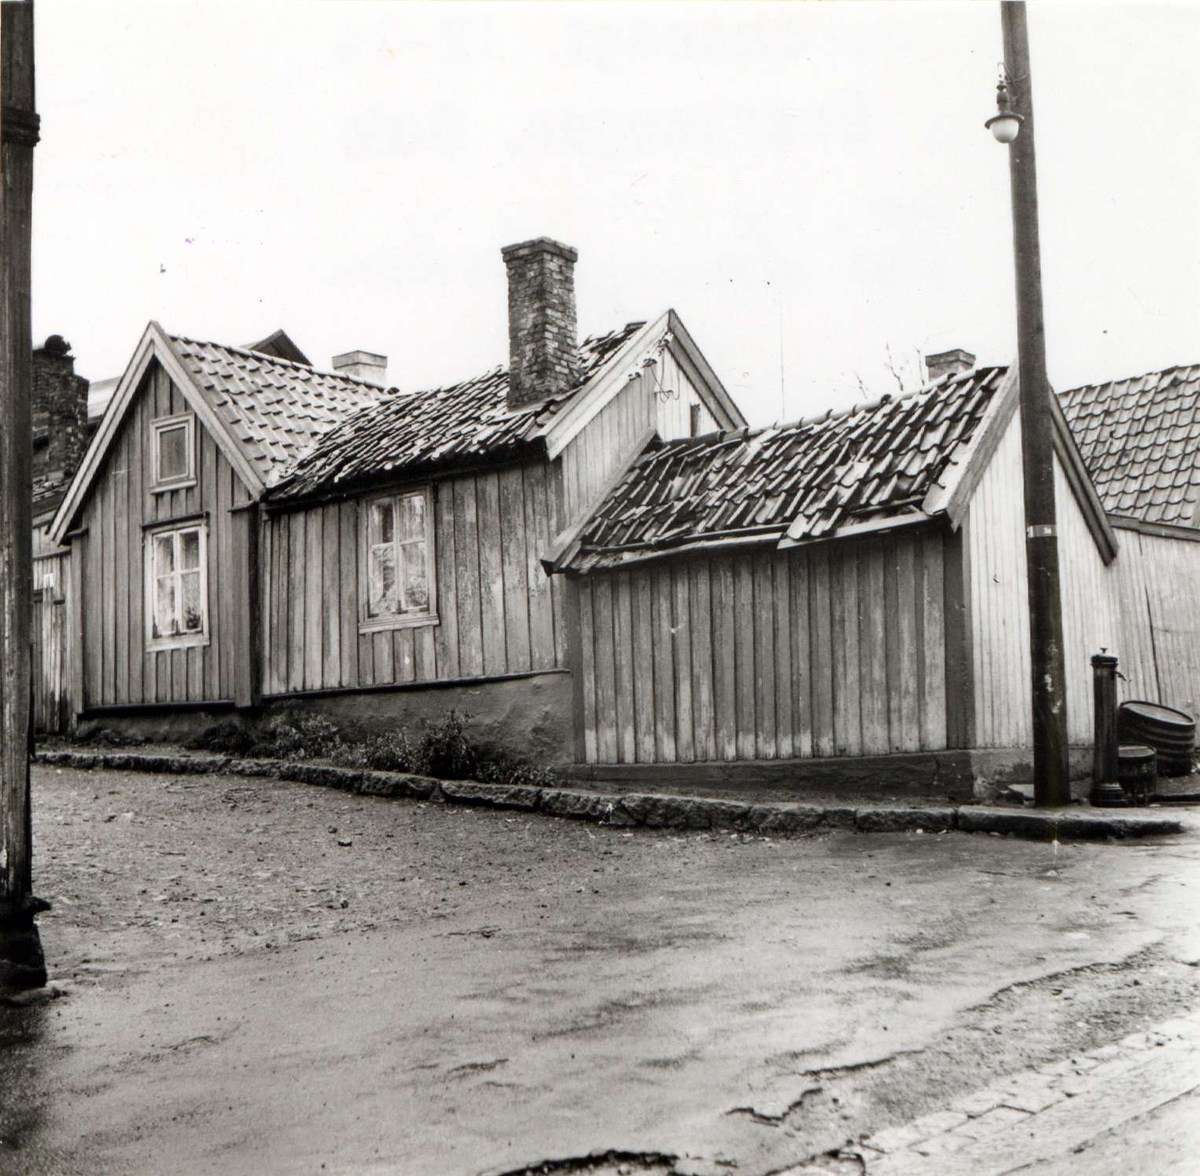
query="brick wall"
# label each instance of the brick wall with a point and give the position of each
(542, 332)
(59, 412)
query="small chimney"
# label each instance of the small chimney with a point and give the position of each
(362, 365)
(543, 356)
(956, 362)
(60, 408)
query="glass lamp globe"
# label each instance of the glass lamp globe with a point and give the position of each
(1004, 126)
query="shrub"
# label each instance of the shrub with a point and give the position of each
(447, 752)
(227, 737)
(297, 737)
(392, 751)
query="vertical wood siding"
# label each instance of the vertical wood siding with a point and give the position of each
(599, 449)
(835, 649)
(496, 607)
(117, 669)
(1103, 607)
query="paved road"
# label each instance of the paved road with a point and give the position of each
(267, 977)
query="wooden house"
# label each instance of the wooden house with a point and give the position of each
(590, 554)
(247, 531)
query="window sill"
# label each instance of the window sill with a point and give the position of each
(385, 624)
(167, 487)
(162, 643)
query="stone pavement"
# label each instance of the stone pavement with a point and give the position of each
(1035, 1116)
(654, 811)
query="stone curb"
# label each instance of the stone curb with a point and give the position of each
(649, 810)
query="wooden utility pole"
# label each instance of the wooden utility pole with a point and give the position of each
(1051, 770)
(21, 962)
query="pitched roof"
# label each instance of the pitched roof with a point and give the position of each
(1140, 440)
(873, 464)
(274, 408)
(457, 424)
(281, 345)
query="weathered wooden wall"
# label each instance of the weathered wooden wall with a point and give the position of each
(600, 448)
(1144, 607)
(836, 649)
(52, 652)
(498, 611)
(116, 668)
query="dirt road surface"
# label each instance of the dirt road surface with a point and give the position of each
(266, 977)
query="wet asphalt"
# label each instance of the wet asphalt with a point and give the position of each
(267, 977)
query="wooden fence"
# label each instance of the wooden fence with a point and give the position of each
(51, 672)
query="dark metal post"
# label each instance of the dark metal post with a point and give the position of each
(1106, 768)
(1051, 769)
(21, 961)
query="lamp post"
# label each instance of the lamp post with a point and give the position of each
(1013, 125)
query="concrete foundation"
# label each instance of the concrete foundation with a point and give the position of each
(528, 716)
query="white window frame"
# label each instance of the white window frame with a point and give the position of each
(397, 620)
(157, 428)
(176, 640)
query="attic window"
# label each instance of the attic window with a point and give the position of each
(399, 561)
(173, 441)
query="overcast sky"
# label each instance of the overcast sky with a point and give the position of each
(809, 182)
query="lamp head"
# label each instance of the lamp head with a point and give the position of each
(1005, 124)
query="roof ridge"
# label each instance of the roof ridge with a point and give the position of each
(276, 359)
(1129, 379)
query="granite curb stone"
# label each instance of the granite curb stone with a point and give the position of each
(649, 810)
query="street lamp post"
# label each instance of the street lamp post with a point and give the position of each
(1013, 124)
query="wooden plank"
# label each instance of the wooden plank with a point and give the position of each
(725, 658)
(108, 513)
(466, 571)
(906, 593)
(802, 672)
(348, 605)
(556, 521)
(763, 618)
(703, 701)
(664, 664)
(424, 653)
(602, 645)
(541, 600)
(134, 569)
(491, 573)
(933, 645)
(330, 596)
(119, 555)
(587, 646)
(515, 562)
(644, 722)
(891, 618)
(446, 634)
(743, 660)
(842, 698)
(681, 634)
(404, 655)
(623, 665)
(782, 606)
(215, 684)
(821, 652)
(314, 574)
(872, 648)
(77, 648)
(385, 657)
(296, 620)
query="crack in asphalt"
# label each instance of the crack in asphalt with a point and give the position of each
(775, 1119)
(1135, 959)
(588, 1163)
(855, 1067)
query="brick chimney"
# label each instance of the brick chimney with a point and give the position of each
(956, 362)
(543, 356)
(59, 411)
(362, 365)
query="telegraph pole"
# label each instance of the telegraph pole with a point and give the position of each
(21, 961)
(1051, 772)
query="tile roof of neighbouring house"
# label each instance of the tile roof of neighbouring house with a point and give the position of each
(1140, 440)
(458, 424)
(276, 409)
(805, 479)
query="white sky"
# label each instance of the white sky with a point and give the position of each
(350, 171)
